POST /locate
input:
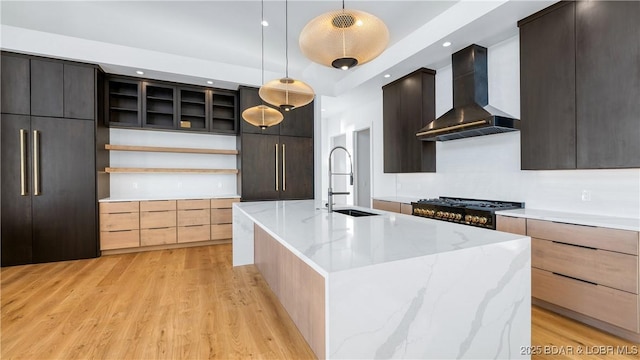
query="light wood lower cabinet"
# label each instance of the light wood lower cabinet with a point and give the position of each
(131, 225)
(119, 225)
(393, 206)
(589, 273)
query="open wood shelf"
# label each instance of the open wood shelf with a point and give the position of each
(169, 149)
(112, 170)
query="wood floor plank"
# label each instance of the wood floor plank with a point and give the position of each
(180, 304)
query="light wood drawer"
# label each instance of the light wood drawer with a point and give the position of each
(119, 239)
(616, 307)
(157, 219)
(119, 207)
(120, 221)
(406, 209)
(157, 205)
(193, 204)
(222, 231)
(616, 270)
(193, 217)
(386, 205)
(160, 236)
(223, 203)
(623, 241)
(193, 233)
(512, 225)
(221, 216)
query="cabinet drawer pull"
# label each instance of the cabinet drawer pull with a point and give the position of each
(36, 162)
(119, 231)
(201, 225)
(573, 278)
(284, 169)
(574, 245)
(23, 163)
(158, 228)
(277, 167)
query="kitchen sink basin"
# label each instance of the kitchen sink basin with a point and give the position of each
(354, 212)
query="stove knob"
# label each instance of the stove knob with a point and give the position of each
(432, 212)
(439, 213)
(452, 216)
(467, 218)
(423, 212)
(475, 219)
(458, 216)
(483, 220)
(445, 215)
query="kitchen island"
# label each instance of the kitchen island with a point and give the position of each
(390, 285)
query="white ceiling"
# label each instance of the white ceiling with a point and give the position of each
(229, 33)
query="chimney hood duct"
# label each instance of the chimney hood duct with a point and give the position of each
(471, 114)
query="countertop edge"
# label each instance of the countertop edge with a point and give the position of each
(157, 198)
(620, 223)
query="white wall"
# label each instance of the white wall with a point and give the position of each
(135, 185)
(488, 167)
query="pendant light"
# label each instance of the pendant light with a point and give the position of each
(262, 116)
(344, 38)
(287, 93)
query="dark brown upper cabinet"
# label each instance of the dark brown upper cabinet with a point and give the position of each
(79, 92)
(580, 86)
(123, 102)
(548, 90)
(161, 105)
(608, 84)
(16, 84)
(297, 122)
(408, 105)
(47, 86)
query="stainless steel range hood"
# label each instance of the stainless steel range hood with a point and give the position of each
(471, 114)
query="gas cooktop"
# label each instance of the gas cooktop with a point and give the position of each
(473, 212)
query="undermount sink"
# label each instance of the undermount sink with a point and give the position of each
(354, 212)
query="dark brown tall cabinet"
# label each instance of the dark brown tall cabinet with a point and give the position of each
(580, 86)
(408, 105)
(49, 178)
(276, 163)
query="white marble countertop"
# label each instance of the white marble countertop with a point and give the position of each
(336, 242)
(167, 197)
(575, 218)
(400, 199)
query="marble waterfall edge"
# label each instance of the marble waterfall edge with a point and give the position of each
(471, 303)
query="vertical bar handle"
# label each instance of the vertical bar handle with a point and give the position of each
(277, 180)
(23, 163)
(36, 162)
(284, 168)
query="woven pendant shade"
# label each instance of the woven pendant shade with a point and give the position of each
(286, 93)
(344, 38)
(262, 116)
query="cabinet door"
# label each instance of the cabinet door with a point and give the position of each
(608, 84)
(260, 167)
(47, 89)
(390, 113)
(547, 91)
(64, 213)
(16, 84)
(79, 92)
(298, 122)
(249, 97)
(297, 167)
(159, 106)
(16, 207)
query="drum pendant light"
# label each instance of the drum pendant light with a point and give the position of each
(262, 116)
(287, 93)
(344, 38)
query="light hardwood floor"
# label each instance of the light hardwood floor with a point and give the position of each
(179, 304)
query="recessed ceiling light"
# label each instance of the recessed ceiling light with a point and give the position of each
(387, 75)
(209, 82)
(446, 43)
(140, 72)
(264, 23)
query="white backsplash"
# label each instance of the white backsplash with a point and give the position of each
(133, 185)
(488, 167)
